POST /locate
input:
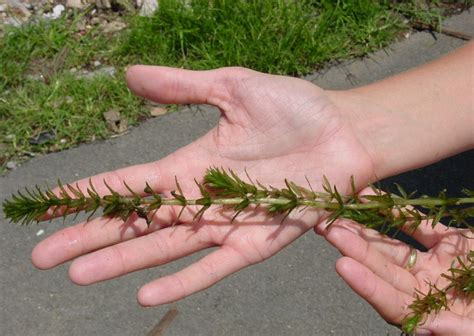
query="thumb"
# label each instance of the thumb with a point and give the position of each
(177, 86)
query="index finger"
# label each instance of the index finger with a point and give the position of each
(187, 163)
(425, 233)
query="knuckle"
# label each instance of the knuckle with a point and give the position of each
(209, 269)
(161, 245)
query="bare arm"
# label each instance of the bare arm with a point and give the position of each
(417, 117)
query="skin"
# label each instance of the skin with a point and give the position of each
(275, 127)
(375, 267)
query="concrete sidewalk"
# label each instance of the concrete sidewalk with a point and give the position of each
(297, 292)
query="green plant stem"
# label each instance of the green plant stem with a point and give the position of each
(146, 203)
(427, 202)
(225, 188)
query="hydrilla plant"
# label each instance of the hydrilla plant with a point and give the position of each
(384, 212)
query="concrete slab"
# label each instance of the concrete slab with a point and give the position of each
(296, 292)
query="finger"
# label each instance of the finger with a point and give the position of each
(83, 238)
(160, 175)
(157, 248)
(178, 86)
(374, 290)
(196, 277)
(378, 293)
(190, 162)
(426, 234)
(379, 255)
(397, 252)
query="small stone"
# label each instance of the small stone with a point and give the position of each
(112, 116)
(40, 232)
(75, 4)
(114, 26)
(96, 20)
(62, 141)
(97, 64)
(148, 7)
(157, 111)
(103, 4)
(406, 35)
(73, 70)
(11, 165)
(57, 11)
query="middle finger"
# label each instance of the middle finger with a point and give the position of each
(156, 248)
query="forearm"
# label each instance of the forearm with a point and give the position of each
(417, 117)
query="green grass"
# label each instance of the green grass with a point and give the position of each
(272, 36)
(39, 93)
(72, 108)
(49, 46)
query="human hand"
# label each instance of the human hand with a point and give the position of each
(274, 127)
(376, 268)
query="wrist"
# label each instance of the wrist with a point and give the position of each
(398, 137)
(373, 126)
(414, 118)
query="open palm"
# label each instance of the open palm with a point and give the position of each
(271, 126)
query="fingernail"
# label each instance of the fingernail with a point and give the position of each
(423, 332)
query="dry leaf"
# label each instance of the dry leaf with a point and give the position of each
(115, 122)
(42, 138)
(114, 26)
(157, 111)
